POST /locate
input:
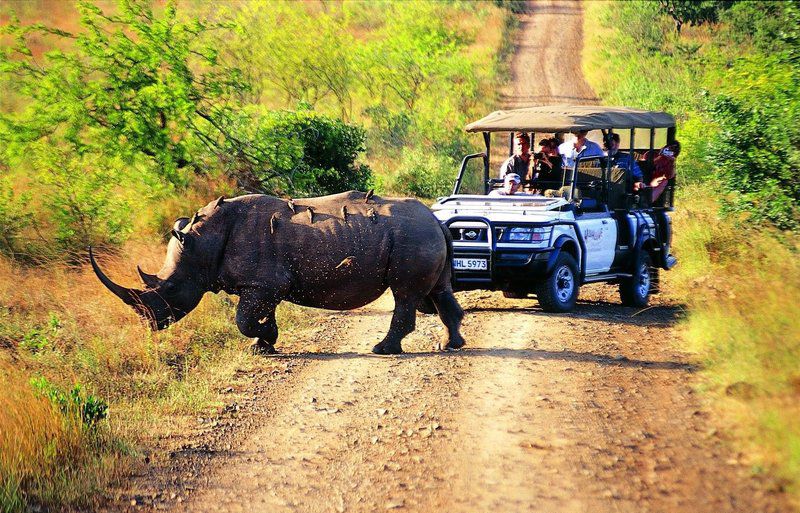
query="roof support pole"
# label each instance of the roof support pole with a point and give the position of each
(607, 171)
(487, 141)
(629, 174)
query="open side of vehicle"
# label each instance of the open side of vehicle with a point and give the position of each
(592, 227)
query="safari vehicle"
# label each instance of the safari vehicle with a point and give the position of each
(592, 228)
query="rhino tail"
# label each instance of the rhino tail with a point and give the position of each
(447, 272)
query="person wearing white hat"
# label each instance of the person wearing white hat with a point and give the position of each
(511, 183)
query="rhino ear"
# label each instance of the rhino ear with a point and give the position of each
(180, 224)
(184, 238)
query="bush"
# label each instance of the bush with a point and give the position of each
(73, 404)
(330, 148)
(425, 175)
(14, 218)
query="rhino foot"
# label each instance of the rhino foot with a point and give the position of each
(454, 344)
(387, 349)
(259, 349)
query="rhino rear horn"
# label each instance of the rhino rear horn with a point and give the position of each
(150, 281)
(128, 296)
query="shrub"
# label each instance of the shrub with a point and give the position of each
(425, 175)
(72, 403)
(14, 218)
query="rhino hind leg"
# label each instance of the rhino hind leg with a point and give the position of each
(404, 320)
(451, 314)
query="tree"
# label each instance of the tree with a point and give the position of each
(137, 101)
(693, 12)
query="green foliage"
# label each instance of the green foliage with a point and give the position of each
(15, 217)
(404, 69)
(135, 103)
(735, 93)
(693, 12)
(321, 156)
(73, 403)
(424, 174)
(760, 156)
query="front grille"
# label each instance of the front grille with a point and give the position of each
(469, 234)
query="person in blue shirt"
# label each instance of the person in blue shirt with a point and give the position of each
(569, 150)
(624, 160)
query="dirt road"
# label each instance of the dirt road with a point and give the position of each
(592, 410)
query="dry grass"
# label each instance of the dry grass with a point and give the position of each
(60, 323)
(741, 286)
(47, 458)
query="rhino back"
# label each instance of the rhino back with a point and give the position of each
(327, 255)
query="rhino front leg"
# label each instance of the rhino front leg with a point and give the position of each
(255, 317)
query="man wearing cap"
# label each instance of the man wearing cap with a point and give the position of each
(521, 161)
(511, 184)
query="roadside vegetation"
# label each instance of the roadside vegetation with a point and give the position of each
(730, 72)
(115, 120)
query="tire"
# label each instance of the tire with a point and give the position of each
(635, 291)
(515, 294)
(559, 291)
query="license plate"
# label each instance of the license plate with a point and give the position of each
(470, 264)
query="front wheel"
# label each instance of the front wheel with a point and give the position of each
(635, 291)
(559, 291)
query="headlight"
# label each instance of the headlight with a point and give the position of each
(534, 235)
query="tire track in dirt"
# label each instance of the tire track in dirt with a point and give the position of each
(546, 68)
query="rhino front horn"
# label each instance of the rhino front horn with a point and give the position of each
(128, 296)
(150, 281)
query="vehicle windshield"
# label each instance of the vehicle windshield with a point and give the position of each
(472, 180)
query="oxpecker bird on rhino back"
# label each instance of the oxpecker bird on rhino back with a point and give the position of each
(337, 252)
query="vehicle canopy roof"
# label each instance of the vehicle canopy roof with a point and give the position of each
(570, 118)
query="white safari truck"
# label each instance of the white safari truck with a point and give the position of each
(583, 224)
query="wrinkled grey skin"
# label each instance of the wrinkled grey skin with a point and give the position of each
(311, 252)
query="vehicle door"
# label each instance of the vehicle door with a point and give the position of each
(599, 232)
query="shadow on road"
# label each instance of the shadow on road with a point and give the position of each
(655, 316)
(519, 354)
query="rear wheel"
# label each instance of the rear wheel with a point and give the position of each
(559, 291)
(515, 294)
(635, 291)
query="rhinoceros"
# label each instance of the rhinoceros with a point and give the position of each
(335, 252)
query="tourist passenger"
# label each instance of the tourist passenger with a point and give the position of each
(623, 160)
(663, 168)
(546, 165)
(520, 161)
(569, 150)
(511, 183)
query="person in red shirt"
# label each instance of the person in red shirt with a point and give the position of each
(663, 168)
